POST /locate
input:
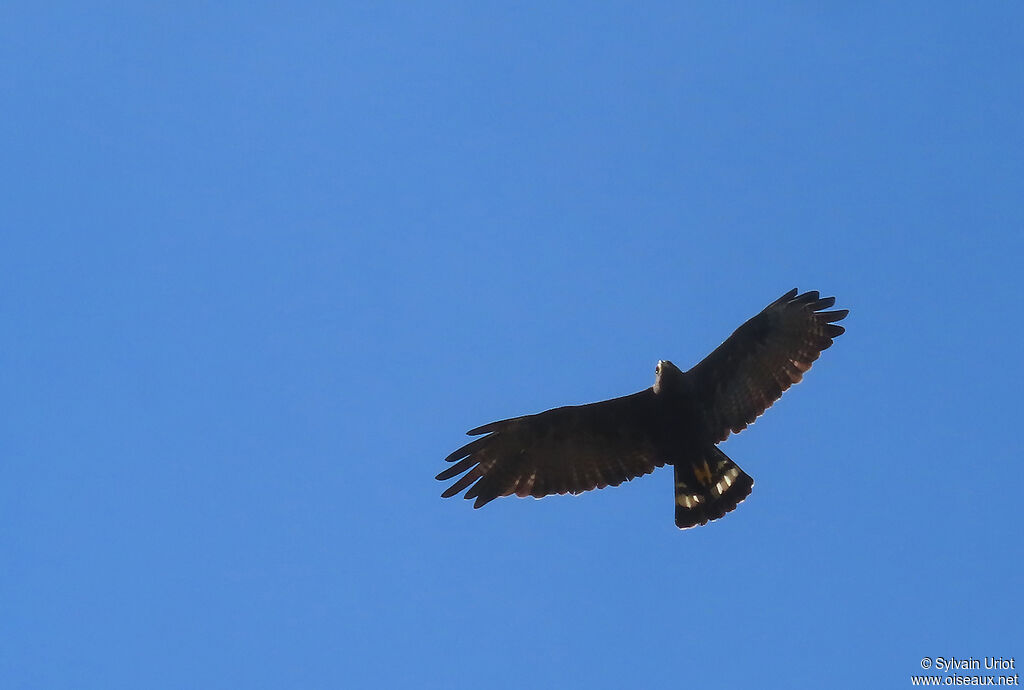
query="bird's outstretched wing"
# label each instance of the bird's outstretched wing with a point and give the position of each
(741, 379)
(565, 450)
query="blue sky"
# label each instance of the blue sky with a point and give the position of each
(263, 265)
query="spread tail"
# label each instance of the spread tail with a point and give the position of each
(708, 486)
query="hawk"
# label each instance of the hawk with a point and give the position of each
(678, 421)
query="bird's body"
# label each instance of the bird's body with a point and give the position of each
(678, 421)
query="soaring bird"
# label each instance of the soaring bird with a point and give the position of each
(678, 421)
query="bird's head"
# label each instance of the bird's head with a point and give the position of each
(666, 376)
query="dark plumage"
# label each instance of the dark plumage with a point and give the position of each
(677, 421)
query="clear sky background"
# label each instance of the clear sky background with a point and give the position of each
(263, 264)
